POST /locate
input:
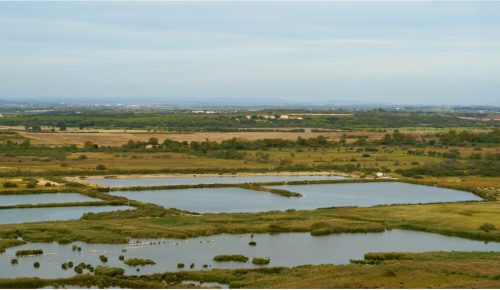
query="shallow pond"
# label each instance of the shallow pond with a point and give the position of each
(287, 249)
(23, 215)
(16, 199)
(370, 194)
(234, 199)
(155, 181)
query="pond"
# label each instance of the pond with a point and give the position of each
(287, 249)
(39, 214)
(370, 194)
(234, 199)
(16, 199)
(155, 181)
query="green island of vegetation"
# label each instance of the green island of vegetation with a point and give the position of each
(21, 253)
(261, 261)
(139, 262)
(231, 258)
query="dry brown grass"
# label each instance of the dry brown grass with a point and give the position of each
(113, 138)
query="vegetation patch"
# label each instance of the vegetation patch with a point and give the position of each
(108, 271)
(231, 258)
(261, 261)
(139, 262)
(33, 252)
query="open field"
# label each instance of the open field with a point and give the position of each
(120, 138)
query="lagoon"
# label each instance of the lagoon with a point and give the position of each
(286, 249)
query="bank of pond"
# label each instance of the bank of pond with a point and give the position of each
(286, 249)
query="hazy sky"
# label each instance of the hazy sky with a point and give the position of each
(385, 52)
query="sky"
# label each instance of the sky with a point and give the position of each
(439, 53)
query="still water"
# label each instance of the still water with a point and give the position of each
(287, 249)
(24, 215)
(16, 199)
(155, 181)
(234, 199)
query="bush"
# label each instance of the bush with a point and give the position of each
(100, 167)
(487, 227)
(31, 184)
(108, 271)
(36, 265)
(9, 184)
(139, 262)
(260, 261)
(253, 243)
(121, 258)
(103, 258)
(180, 265)
(82, 157)
(14, 261)
(233, 258)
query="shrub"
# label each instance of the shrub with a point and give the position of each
(121, 258)
(260, 261)
(139, 262)
(487, 227)
(228, 258)
(9, 184)
(33, 252)
(108, 271)
(78, 269)
(14, 261)
(36, 265)
(253, 243)
(82, 157)
(180, 265)
(31, 184)
(103, 258)
(100, 167)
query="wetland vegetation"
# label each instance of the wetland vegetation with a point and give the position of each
(434, 180)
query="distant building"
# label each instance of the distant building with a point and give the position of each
(284, 117)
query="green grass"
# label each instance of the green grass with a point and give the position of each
(139, 262)
(231, 258)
